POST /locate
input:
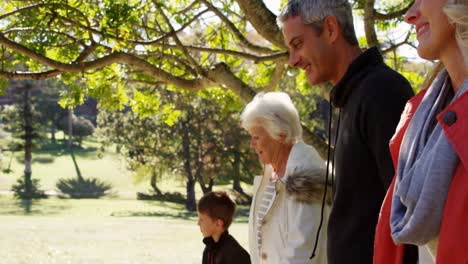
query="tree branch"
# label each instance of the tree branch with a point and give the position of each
(277, 75)
(29, 75)
(248, 56)
(169, 34)
(198, 68)
(246, 43)
(397, 45)
(73, 39)
(263, 20)
(223, 75)
(389, 16)
(189, 7)
(26, 8)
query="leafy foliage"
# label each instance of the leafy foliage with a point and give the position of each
(82, 127)
(203, 143)
(20, 192)
(103, 47)
(14, 116)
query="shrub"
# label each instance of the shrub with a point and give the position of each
(83, 188)
(19, 190)
(174, 197)
(82, 127)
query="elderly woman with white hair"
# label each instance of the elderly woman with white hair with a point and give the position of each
(286, 209)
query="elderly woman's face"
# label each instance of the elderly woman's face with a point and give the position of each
(435, 35)
(266, 147)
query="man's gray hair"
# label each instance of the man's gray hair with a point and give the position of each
(313, 12)
(276, 113)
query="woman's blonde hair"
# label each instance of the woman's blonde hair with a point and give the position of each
(457, 13)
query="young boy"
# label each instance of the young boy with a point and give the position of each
(215, 213)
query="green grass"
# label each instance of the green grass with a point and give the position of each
(83, 239)
(55, 163)
(51, 165)
(114, 229)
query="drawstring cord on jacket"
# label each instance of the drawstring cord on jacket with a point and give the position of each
(324, 198)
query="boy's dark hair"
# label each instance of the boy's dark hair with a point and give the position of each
(218, 205)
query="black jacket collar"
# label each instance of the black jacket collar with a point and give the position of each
(340, 93)
(211, 244)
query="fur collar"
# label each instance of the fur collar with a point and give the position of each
(305, 175)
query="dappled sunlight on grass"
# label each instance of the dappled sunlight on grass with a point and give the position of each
(56, 230)
(31, 207)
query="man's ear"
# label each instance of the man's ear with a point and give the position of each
(331, 28)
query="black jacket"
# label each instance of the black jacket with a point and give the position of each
(226, 251)
(371, 97)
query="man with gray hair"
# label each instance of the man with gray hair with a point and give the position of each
(370, 97)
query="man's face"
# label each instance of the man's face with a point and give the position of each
(309, 50)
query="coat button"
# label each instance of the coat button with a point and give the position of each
(264, 256)
(449, 118)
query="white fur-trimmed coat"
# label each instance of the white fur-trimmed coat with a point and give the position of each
(290, 225)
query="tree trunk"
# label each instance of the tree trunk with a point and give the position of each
(153, 184)
(190, 203)
(52, 134)
(369, 24)
(28, 137)
(70, 129)
(236, 173)
(205, 188)
(77, 169)
(245, 198)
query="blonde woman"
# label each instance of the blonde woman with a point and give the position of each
(427, 203)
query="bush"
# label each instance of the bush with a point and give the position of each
(174, 197)
(83, 188)
(82, 127)
(19, 190)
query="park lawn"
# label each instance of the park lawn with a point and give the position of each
(115, 229)
(52, 165)
(102, 231)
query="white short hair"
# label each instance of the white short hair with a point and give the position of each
(276, 113)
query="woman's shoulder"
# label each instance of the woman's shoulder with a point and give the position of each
(303, 153)
(305, 174)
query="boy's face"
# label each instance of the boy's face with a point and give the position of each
(208, 225)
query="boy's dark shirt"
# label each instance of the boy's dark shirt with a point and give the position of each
(371, 97)
(226, 251)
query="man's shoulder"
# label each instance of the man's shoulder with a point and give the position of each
(384, 83)
(383, 75)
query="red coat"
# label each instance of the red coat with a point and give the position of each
(453, 237)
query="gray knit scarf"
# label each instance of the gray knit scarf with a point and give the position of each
(426, 165)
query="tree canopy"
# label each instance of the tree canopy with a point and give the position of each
(113, 49)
